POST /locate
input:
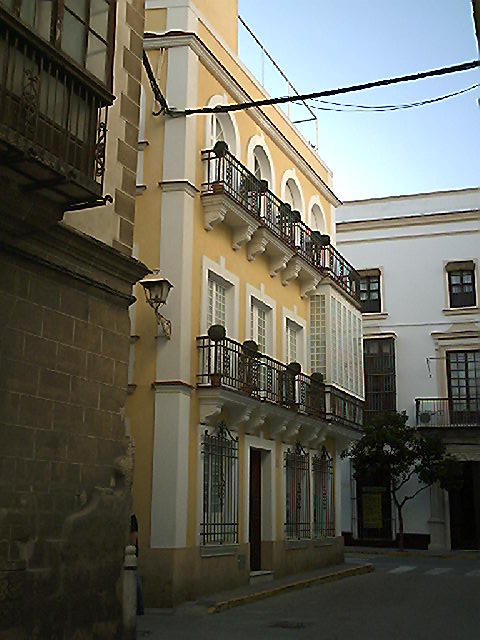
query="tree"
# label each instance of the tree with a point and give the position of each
(396, 451)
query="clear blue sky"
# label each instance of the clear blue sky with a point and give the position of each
(323, 44)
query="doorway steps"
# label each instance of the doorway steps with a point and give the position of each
(260, 576)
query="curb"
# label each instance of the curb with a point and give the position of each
(411, 554)
(300, 584)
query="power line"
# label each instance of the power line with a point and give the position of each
(352, 108)
(465, 66)
(159, 97)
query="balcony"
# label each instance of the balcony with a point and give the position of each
(447, 412)
(52, 120)
(232, 194)
(262, 393)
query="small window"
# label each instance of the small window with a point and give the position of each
(461, 286)
(258, 325)
(217, 293)
(292, 341)
(370, 293)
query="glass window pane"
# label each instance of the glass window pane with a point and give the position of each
(38, 14)
(96, 57)
(73, 37)
(77, 6)
(363, 285)
(374, 285)
(374, 295)
(99, 17)
(455, 278)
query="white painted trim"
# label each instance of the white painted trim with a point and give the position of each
(259, 141)
(291, 174)
(310, 219)
(233, 293)
(229, 125)
(383, 311)
(268, 486)
(291, 314)
(271, 304)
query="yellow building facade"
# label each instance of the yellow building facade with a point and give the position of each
(239, 417)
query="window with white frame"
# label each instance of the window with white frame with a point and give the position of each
(292, 331)
(217, 301)
(258, 324)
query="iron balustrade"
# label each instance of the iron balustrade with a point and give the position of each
(229, 364)
(343, 407)
(447, 412)
(323, 496)
(50, 113)
(225, 174)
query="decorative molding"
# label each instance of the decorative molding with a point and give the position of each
(292, 271)
(179, 185)
(214, 211)
(407, 221)
(232, 87)
(257, 244)
(461, 311)
(308, 287)
(242, 235)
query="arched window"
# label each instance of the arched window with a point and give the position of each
(292, 196)
(217, 133)
(256, 168)
(317, 219)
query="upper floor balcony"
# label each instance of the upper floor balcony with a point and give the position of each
(264, 394)
(447, 412)
(232, 194)
(53, 107)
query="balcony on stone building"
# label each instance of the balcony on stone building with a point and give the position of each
(231, 194)
(54, 99)
(263, 394)
(447, 413)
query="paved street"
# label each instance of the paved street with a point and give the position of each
(405, 598)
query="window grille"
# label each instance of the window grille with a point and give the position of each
(323, 496)
(463, 371)
(220, 487)
(291, 342)
(258, 326)
(379, 365)
(297, 494)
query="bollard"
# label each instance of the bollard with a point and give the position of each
(130, 594)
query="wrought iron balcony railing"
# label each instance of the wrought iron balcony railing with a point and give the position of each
(225, 174)
(229, 364)
(447, 412)
(52, 118)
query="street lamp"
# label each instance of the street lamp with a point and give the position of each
(156, 289)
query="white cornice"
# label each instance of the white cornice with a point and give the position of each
(444, 217)
(216, 68)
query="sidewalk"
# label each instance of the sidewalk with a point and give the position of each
(259, 591)
(412, 553)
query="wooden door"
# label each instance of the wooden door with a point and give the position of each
(255, 517)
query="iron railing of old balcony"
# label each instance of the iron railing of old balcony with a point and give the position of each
(323, 496)
(48, 111)
(343, 407)
(225, 174)
(447, 412)
(229, 364)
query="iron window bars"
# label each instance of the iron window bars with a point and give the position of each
(297, 493)
(370, 299)
(323, 495)
(220, 487)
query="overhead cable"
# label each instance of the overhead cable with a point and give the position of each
(465, 66)
(159, 97)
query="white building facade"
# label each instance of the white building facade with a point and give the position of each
(419, 261)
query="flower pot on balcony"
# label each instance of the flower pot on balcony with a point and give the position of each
(217, 187)
(216, 379)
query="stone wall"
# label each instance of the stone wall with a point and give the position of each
(64, 486)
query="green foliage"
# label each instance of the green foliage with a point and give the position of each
(394, 450)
